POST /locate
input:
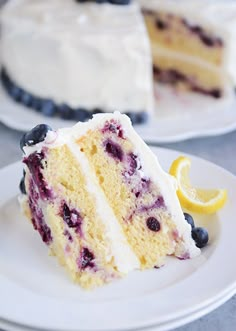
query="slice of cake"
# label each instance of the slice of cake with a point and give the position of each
(70, 59)
(100, 200)
(192, 44)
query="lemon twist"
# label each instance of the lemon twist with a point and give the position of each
(203, 201)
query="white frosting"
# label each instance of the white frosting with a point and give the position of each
(88, 54)
(150, 167)
(218, 16)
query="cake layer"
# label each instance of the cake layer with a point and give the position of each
(72, 219)
(136, 188)
(177, 34)
(86, 55)
(187, 72)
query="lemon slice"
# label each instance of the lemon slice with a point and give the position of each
(203, 201)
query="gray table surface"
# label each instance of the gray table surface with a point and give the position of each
(220, 150)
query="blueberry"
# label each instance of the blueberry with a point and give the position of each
(71, 217)
(120, 2)
(208, 41)
(161, 25)
(132, 161)
(81, 114)
(6, 80)
(22, 142)
(141, 117)
(36, 135)
(65, 111)
(153, 224)
(200, 236)
(189, 219)
(216, 93)
(37, 103)
(4, 75)
(26, 99)
(48, 107)
(97, 111)
(114, 150)
(87, 258)
(159, 203)
(132, 117)
(22, 186)
(137, 118)
(16, 93)
(196, 29)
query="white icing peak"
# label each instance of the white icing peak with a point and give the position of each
(88, 55)
(151, 169)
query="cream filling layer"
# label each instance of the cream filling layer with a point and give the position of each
(116, 243)
(162, 51)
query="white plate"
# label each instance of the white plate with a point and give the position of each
(176, 323)
(178, 117)
(170, 325)
(34, 283)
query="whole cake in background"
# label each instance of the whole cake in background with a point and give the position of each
(74, 59)
(100, 200)
(193, 44)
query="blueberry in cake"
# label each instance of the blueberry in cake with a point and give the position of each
(73, 59)
(100, 200)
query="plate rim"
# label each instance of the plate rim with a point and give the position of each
(176, 323)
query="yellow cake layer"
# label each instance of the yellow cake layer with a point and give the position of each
(197, 74)
(150, 247)
(63, 173)
(175, 36)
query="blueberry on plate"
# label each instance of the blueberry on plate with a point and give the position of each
(189, 219)
(200, 236)
(36, 135)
